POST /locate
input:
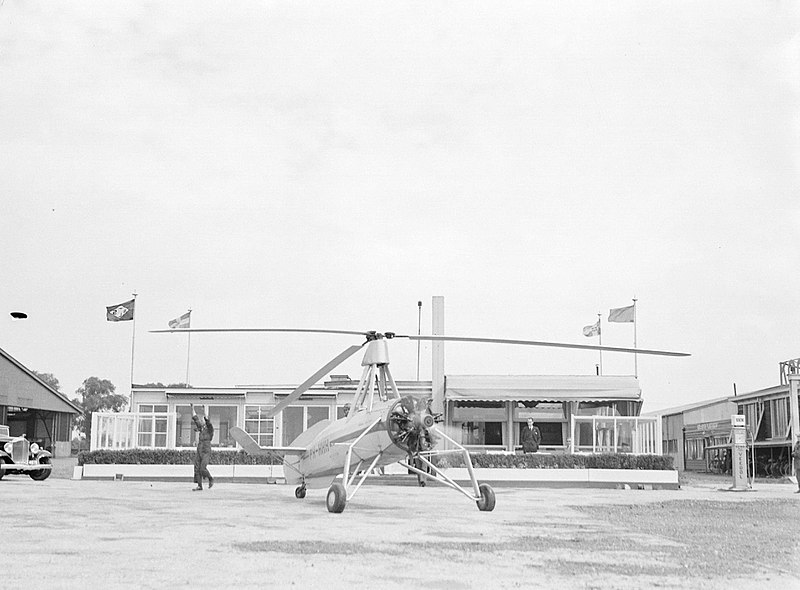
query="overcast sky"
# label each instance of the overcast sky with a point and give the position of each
(327, 165)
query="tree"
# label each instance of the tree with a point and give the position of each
(96, 395)
(49, 379)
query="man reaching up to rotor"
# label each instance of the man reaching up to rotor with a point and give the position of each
(205, 432)
(530, 438)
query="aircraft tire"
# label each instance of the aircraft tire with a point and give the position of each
(300, 492)
(486, 503)
(336, 498)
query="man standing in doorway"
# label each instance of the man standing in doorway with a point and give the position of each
(531, 437)
(205, 432)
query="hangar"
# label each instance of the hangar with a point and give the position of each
(30, 407)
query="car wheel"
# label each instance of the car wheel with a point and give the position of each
(41, 474)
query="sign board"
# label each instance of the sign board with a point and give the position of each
(737, 420)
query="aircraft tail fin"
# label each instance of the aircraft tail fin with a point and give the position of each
(251, 447)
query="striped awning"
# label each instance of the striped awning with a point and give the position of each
(542, 388)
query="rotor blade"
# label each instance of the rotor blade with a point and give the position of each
(292, 397)
(540, 343)
(298, 330)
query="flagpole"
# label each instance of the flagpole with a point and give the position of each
(600, 336)
(133, 338)
(188, 348)
(635, 356)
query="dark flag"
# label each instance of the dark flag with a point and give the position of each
(120, 313)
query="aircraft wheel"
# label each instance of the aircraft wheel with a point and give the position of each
(300, 492)
(337, 498)
(486, 503)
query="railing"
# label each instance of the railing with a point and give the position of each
(616, 434)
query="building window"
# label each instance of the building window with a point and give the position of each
(779, 415)
(223, 418)
(297, 419)
(152, 431)
(482, 433)
(258, 425)
(695, 449)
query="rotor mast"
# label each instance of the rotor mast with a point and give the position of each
(376, 378)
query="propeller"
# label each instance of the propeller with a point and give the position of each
(541, 343)
(409, 422)
(404, 417)
(372, 335)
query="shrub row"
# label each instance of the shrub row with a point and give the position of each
(491, 460)
(560, 461)
(171, 457)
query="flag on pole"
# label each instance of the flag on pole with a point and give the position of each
(621, 314)
(181, 322)
(120, 313)
(592, 330)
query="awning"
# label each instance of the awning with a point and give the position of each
(202, 394)
(543, 388)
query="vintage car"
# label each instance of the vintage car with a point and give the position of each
(18, 455)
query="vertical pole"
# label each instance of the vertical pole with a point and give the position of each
(133, 338)
(419, 331)
(794, 414)
(188, 346)
(437, 353)
(635, 356)
(600, 336)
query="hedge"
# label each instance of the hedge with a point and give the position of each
(491, 460)
(172, 457)
(560, 461)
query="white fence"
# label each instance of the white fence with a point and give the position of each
(128, 430)
(588, 434)
(616, 434)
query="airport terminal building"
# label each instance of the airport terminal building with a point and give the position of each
(575, 413)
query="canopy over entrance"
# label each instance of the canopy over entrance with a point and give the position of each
(543, 388)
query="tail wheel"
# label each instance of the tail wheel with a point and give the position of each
(41, 474)
(337, 498)
(486, 503)
(300, 492)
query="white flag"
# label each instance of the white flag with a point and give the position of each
(181, 322)
(622, 314)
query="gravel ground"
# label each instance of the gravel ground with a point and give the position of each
(69, 534)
